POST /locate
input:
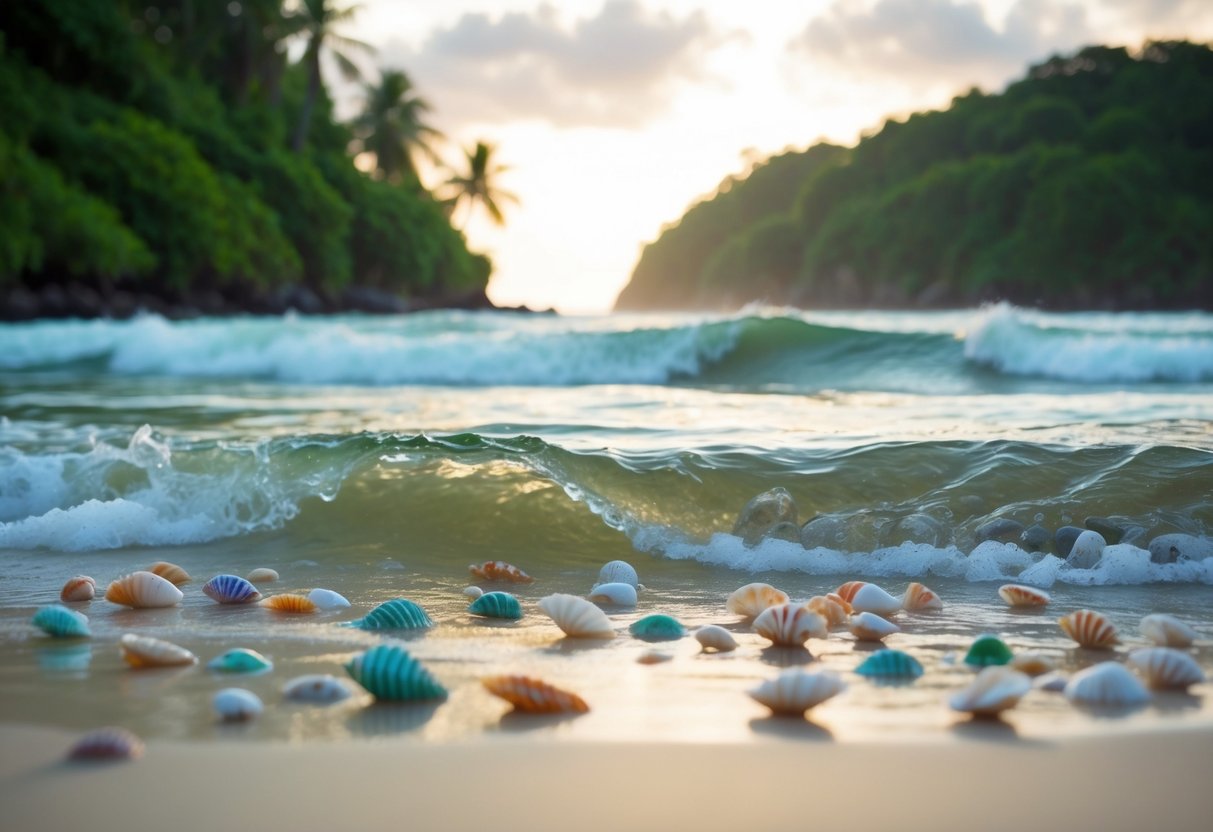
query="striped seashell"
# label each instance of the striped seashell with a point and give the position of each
(473, 592)
(840, 601)
(1089, 629)
(327, 599)
(1107, 684)
(107, 744)
(789, 625)
(795, 691)
(1166, 667)
(995, 690)
(834, 613)
(871, 598)
(79, 588)
(577, 617)
(236, 705)
(1167, 631)
(618, 572)
(262, 575)
(289, 603)
(61, 622)
(316, 688)
(534, 696)
(988, 650)
(657, 628)
(890, 664)
(1033, 663)
(397, 614)
(497, 605)
(715, 638)
(171, 572)
(847, 591)
(499, 570)
(919, 597)
(240, 660)
(230, 589)
(142, 590)
(616, 594)
(1018, 595)
(390, 674)
(750, 600)
(145, 651)
(868, 626)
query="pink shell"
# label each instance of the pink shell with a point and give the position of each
(789, 625)
(79, 588)
(107, 744)
(1089, 629)
(1018, 595)
(920, 597)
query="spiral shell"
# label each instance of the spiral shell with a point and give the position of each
(789, 625)
(79, 588)
(871, 598)
(396, 614)
(171, 572)
(107, 744)
(617, 594)
(919, 597)
(497, 605)
(1089, 629)
(750, 600)
(618, 572)
(262, 575)
(143, 590)
(1107, 684)
(995, 690)
(240, 660)
(988, 650)
(327, 599)
(499, 570)
(657, 628)
(1018, 595)
(847, 591)
(577, 617)
(1167, 631)
(795, 691)
(534, 696)
(230, 589)
(834, 613)
(289, 603)
(145, 651)
(868, 626)
(1166, 667)
(236, 705)
(390, 674)
(715, 638)
(1033, 663)
(890, 664)
(61, 622)
(316, 688)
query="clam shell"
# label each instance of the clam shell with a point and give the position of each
(795, 691)
(789, 625)
(473, 592)
(61, 622)
(289, 603)
(79, 588)
(497, 605)
(890, 664)
(1018, 595)
(834, 613)
(1167, 631)
(327, 599)
(715, 638)
(317, 688)
(1089, 629)
(750, 600)
(994, 690)
(617, 594)
(847, 591)
(107, 744)
(657, 628)
(143, 590)
(171, 572)
(230, 589)
(1033, 663)
(868, 626)
(1107, 684)
(577, 617)
(145, 651)
(1166, 667)
(618, 572)
(919, 597)
(240, 660)
(262, 575)
(236, 705)
(534, 696)
(499, 570)
(397, 614)
(390, 674)
(871, 598)
(988, 650)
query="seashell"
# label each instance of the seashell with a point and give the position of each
(617, 594)
(577, 617)
(61, 622)
(657, 628)
(840, 601)
(143, 590)
(236, 705)
(1052, 682)
(497, 605)
(920, 597)
(317, 688)
(79, 588)
(1166, 667)
(1033, 663)
(229, 589)
(262, 575)
(534, 696)
(988, 650)
(750, 600)
(1018, 595)
(390, 674)
(993, 691)
(834, 613)
(789, 625)
(145, 651)
(240, 660)
(1107, 684)
(327, 599)
(847, 591)
(499, 570)
(871, 598)
(473, 592)
(171, 572)
(107, 744)
(795, 691)
(289, 603)
(397, 614)
(653, 657)
(618, 572)
(1167, 631)
(1089, 629)
(868, 626)
(715, 638)
(890, 664)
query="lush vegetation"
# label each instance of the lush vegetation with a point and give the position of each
(1087, 184)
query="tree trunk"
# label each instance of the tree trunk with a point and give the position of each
(309, 99)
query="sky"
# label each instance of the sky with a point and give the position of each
(614, 116)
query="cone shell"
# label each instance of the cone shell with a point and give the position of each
(890, 664)
(390, 674)
(750, 600)
(1167, 631)
(397, 614)
(1107, 684)
(107, 744)
(499, 570)
(1089, 629)
(868, 626)
(236, 705)
(919, 597)
(171, 572)
(995, 689)
(327, 599)
(617, 594)
(143, 590)
(1018, 595)
(79, 588)
(534, 696)
(231, 589)
(834, 613)
(262, 575)
(871, 598)
(795, 691)
(289, 603)
(240, 660)
(715, 638)
(847, 591)
(61, 622)
(1166, 667)
(789, 625)
(657, 628)
(577, 617)
(316, 688)
(497, 605)
(618, 572)
(145, 651)
(988, 650)
(1033, 663)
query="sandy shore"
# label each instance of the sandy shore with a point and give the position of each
(976, 781)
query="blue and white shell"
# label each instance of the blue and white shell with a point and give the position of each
(390, 674)
(327, 599)
(497, 605)
(231, 589)
(236, 705)
(317, 689)
(397, 614)
(61, 622)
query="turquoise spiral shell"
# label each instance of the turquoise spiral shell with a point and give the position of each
(497, 605)
(390, 674)
(890, 664)
(988, 650)
(241, 660)
(657, 628)
(61, 622)
(397, 614)
(231, 589)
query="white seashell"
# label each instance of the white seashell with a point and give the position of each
(145, 651)
(317, 688)
(715, 637)
(867, 626)
(236, 705)
(1109, 684)
(789, 625)
(920, 597)
(617, 594)
(871, 598)
(1166, 667)
(1167, 631)
(261, 575)
(796, 691)
(995, 689)
(327, 599)
(473, 592)
(1018, 595)
(577, 616)
(79, 588)
(1032, 663)
(618, 572)
(750, 600)
(143, 590)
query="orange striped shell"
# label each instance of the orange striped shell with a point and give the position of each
(499, 570)
(1018, 595)
(831, 610)
(843, 602)
(534, 696)
(143, 590)
(1089, 629)
(750, 600)
(847, 591)
(289, 603)
(145, 651)
(79, 588)
(171, 572)
(920, 597)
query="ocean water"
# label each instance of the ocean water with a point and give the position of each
(381, 456)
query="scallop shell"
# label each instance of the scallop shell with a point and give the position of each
(994, 690)
(871, 598)
(171, 572)
(317, 688)
(834, 613)
(289, 603)
(1033, 663)
(390, 674)
(890, 664)
(616, 594)
(397, 614)
(618, 572)
(1167, 631)
(715, 638)
(79, 588)
(499, 570)
(497, 605)
(868, 626)
(1018, 595)
(750, 600)
(143, 590)
(262, 575)
(473, 592)
(240, 660)
(1107, 684)
(795, 691)
(107, 744)
(327, 599)
(230, 589)
(145, 651)
(577, 617)
(789, 625)
(61, 622)
(657, 628)
(847, 591)
(1089, 629)
(236, 705)
(1166, 667)
(988, 650)
(840, 601)
(920, 597)
(534, 696)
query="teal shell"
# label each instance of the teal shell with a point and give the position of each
(657, 628)
(890, 664)
(497, 605)
(61, 622)
(241, 660)
(397, 614)
(390, 674)
(987, 651)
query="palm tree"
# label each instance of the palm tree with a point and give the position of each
(478, 185)
(316, 20)
(391, 127)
